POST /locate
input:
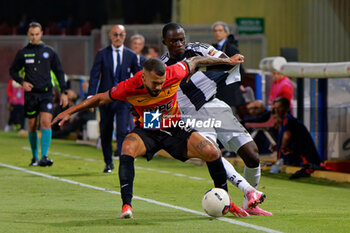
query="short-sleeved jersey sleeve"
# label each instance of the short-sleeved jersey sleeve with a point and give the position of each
(204, 49)
(120, 92)
(178, 71)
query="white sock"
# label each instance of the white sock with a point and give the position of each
(252, 175)
(235, 178)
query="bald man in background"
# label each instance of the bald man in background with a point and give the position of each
(112, 65)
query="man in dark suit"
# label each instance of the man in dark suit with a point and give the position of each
(113, 64)
(137, 43)
(226, 42)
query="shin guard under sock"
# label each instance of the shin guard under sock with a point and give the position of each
(126, 177)
(218, 173)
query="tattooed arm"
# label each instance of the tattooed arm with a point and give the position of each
(194, 62)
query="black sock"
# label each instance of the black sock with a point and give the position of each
(126, 177)
(218, 173)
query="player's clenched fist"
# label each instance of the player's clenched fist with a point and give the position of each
(237, 58)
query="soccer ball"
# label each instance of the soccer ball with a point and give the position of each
(216, 202)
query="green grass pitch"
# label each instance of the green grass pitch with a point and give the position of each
(32, 203)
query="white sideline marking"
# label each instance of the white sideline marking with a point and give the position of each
(141, 198)
(136, 167)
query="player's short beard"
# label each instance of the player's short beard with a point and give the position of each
(152, 93)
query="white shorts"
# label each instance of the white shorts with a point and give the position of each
(223, 125)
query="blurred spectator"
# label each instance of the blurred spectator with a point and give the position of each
(87, 28)
(15, 93)
(137, 43)
(231, 94)
(295, 145)
(281, 87)
(153, 51)
(5, 29)
(22, 27)
(53, 29)
(66, 26)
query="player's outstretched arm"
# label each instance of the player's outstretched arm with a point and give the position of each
(209, 61)
(94, 101)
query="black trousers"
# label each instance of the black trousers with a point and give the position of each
(120, 110)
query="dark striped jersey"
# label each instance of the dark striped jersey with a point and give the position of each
(203, 85)
(133, 91)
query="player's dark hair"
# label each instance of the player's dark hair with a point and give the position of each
(35, 25)
(171, 26)
(284, 102)
(155, 65)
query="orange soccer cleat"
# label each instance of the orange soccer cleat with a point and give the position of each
(238, 212)
(126, 212)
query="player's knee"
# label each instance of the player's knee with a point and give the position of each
(250, 154)
(252, 162)
(212, 153)
(128, 149)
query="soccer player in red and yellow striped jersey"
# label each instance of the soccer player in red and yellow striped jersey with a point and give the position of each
(154, 90)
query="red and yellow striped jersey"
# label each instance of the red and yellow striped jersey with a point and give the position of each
(133, 91)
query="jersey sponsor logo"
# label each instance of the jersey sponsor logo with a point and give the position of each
(46, 55)
(161, 108)
(151, 119)
(29, 55)
(29, 61)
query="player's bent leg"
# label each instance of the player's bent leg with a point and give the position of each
(199, 147)
(235, 178)
(133, 147)
(252, 173)
(249, 153)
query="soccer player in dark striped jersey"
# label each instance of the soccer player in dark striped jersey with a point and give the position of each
(196, 99)
(152, 92)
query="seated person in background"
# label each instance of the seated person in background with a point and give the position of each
(256, 112)
(294, 144)
(281, 87)
(76, 123)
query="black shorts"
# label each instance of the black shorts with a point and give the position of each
(34, 103)
(172, 140)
